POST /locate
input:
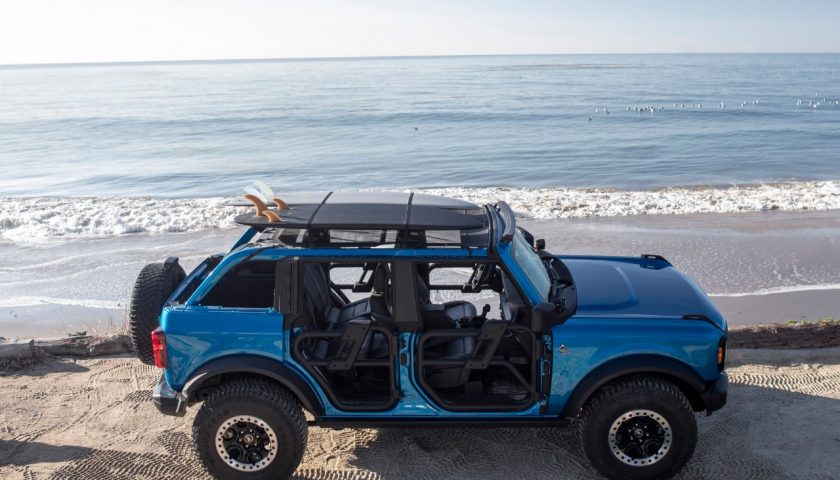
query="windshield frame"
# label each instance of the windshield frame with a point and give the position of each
(503, 234)
(532, 266)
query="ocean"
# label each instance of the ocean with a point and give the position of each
(141, 159)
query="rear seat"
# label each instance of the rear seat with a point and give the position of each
(320, 304)
(326, 315)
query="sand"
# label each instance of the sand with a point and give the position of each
(92, 419)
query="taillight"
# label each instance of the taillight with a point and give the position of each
(159, 348)
(721, 354)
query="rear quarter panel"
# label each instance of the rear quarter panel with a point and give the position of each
(196, 335)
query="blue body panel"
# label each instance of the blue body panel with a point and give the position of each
(632, 287)
(590, 341)
(626, 306)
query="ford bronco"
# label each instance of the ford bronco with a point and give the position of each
(368, 310)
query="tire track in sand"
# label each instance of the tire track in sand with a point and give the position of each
(777, 425)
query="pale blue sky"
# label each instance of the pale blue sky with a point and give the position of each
(48, 31)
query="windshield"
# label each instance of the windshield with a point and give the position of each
(531, 264)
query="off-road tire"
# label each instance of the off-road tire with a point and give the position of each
(153, 287)
(645, 392)
(257, 398)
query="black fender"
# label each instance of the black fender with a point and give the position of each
(686, 378)
(259, 366)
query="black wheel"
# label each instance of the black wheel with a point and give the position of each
(639, 427)
(250, 429)
(153, 286)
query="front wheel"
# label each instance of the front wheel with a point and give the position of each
(250, 429)
(639, 427)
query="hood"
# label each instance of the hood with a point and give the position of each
(637, 286)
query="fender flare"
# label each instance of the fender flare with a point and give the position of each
(619, 367)
(256, 365)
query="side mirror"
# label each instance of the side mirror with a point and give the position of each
(541, 244)
(526, 235)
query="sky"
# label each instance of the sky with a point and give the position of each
(69, 31)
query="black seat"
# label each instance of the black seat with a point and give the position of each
(381, 309)
(455, 310)
(511, 301)
(446, 348)
(381, 297)
(321, 304)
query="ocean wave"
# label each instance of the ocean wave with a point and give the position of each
(34, 219)
(550, 203)
(31, 219)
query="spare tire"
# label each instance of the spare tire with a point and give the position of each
(153, 287)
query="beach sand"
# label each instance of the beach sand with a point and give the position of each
(92, 418)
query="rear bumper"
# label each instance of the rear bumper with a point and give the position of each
(168, 401)
(715, 396)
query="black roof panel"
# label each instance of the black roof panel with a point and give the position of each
(362, 210)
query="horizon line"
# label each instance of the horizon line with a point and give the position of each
(379, 57)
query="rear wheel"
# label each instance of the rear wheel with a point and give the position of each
(153, 287)
(639, 427)
(250, 429)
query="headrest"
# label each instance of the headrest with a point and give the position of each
(380, 278)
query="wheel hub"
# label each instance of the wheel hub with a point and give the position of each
(640, 437)
(246, 443)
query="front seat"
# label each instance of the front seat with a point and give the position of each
(446, 348)
(455, 310)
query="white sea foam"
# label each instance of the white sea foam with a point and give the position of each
(777, 290)
(24, 219)
(32, 301)
(548, 203)
(28, 219)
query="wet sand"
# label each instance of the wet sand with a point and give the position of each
(808, 305)
(86, 419)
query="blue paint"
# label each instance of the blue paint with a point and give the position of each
(590, 341)
(246, 237)
(625, 286)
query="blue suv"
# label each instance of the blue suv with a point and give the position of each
(363, 310)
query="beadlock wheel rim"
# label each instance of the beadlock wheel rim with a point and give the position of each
(640, 438)
(246, 443)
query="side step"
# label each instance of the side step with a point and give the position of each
(379, 422)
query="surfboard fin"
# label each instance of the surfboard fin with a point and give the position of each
(262, 209)
(281, 205)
